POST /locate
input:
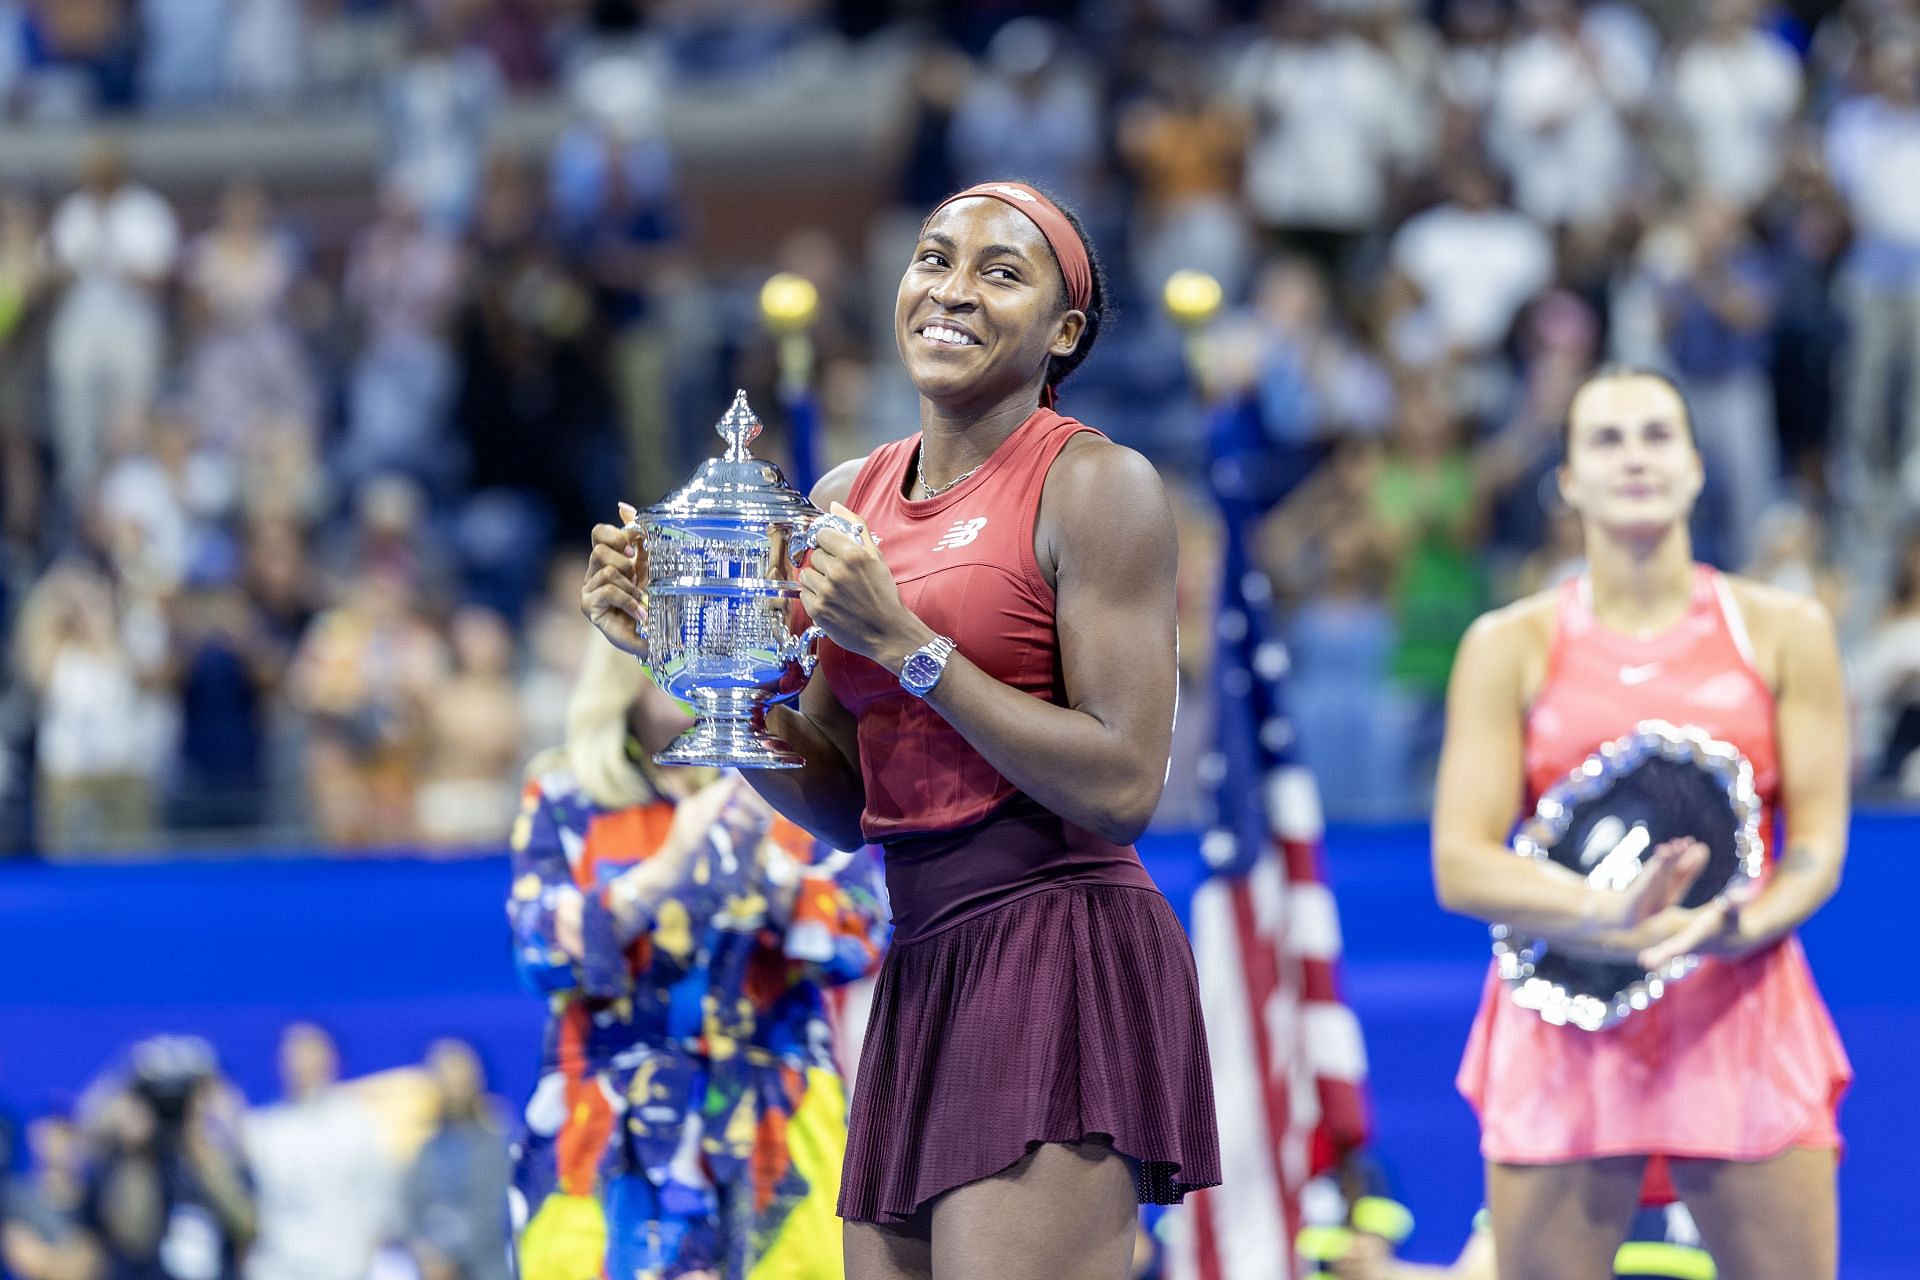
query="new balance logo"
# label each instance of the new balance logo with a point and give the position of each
(963, 532)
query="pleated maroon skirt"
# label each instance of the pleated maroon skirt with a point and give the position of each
(1064, 1013)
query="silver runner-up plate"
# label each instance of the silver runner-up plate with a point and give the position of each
(1658, 783)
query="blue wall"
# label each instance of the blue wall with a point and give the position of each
(391, 954)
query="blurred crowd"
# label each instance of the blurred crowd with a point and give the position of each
(292, 526)
(161, 1171)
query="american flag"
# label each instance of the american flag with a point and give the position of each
(1289, 1066)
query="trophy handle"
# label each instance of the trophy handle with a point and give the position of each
(806, 649)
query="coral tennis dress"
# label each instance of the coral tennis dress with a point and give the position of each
(1740, 1060)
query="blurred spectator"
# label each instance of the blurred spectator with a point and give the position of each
(158, 502)
(474, 738)
(1558, 121)
(533, 407)
(16, 53)
(95, 747)
(247, 363)
(1887, 680)
(349, 45)
(555, 647)
(115, 244)
(176, 38)
(265, 62)
(364, 675)
(1473, 264)
(439, 108)
(1030, 112)
(1476, 34)
(1558, 338)
(1715, 292)
(456, 1193)
(1735, 87)
(1790, 552)
(227, 665)
(1808, 228)
(616, 206)
(24, 279)
(402, 282)
(1333, 126)
(87, 53)
(1873, 154)
(169, 1197)
(1314, 383)
(42, 1233)
(327, 1192)
(1426, 502)
(1185, 152)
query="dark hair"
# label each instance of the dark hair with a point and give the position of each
(1060, 368)
(1613, 372)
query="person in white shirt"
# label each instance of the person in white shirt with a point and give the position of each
(1333, 119)
(327, 1193)
(1734, 91)
(116, 243)
(1474, 261)
(1556, 123)
(1873, 157)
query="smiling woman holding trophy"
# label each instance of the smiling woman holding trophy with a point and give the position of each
(1650, 1014)
(992, 601)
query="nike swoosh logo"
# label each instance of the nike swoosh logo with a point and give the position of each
(1639, 675)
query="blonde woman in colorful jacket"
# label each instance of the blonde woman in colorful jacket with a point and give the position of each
(689, 1120)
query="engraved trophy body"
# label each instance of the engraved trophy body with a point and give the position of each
(722, 552)
(1603, 820)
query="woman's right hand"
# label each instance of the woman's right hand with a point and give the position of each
(613, 596)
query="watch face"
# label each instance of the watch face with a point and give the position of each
(921, 671)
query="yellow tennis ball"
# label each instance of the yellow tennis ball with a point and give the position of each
(788, 301)
(1191, 297)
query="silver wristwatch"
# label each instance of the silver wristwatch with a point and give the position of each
(924, 666)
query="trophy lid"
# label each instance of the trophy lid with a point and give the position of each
(736, 485)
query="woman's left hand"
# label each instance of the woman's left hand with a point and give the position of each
(1712, 930)
(850, 593)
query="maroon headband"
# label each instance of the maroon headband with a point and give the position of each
(1068, 251)
(1075, 267)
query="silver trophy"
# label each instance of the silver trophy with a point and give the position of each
(722, 554)
(1655, 784)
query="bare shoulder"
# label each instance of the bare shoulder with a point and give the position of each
(1514, 630)
(1791, 634)
(1777, 613)
(1103, 505)
(1093, 473)
(837, 484)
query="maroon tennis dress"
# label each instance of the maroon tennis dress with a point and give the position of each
(1038, 988)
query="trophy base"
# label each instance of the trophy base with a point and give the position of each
(730, 732)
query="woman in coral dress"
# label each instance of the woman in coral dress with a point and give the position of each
(1728, 1085)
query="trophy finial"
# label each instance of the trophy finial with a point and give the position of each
(739, 427)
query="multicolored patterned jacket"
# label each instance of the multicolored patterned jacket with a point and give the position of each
(689, 1116)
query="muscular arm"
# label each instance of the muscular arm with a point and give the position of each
(1100, 760)
(1478, 792)
(1811, 728)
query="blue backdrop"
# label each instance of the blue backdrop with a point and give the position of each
(390, 954)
